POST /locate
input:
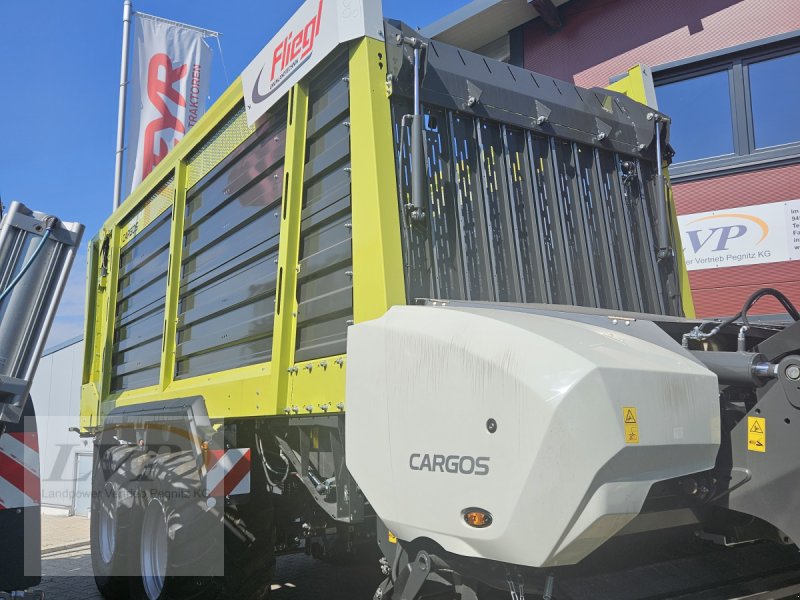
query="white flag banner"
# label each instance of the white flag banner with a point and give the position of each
(169, 85)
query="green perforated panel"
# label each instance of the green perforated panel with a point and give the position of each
(231, 132)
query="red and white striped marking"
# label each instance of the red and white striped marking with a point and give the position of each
(229, 473)
(19, 470)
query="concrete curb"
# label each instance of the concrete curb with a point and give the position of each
(63, 547)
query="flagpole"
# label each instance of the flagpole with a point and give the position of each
(123, 85)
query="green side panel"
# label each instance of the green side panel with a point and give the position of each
(230, 251)
(141, 293)
(217, 146)
(325, 286)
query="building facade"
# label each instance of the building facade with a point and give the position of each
(728, 74)
(65, 460)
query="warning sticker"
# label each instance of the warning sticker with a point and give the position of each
(631, 423)
(757, 434)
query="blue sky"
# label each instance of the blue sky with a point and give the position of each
(59, 76)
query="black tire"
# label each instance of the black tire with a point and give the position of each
(205, 558)
(113, 523)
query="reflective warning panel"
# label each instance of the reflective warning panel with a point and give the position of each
(631, 423)
(757, 434)
(228, 472)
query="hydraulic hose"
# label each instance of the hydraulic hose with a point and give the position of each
(779, 296)
(748, 304)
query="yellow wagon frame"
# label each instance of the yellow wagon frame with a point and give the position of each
(280, 386)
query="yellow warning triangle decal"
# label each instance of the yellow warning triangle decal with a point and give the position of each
(756, 428)
(629, 418)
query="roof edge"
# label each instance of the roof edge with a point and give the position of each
(447, 22)
(61, 345)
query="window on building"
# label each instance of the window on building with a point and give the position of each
(734, 110)
(700, 109)
(775, 99)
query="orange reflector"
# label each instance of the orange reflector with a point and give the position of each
(478, 518)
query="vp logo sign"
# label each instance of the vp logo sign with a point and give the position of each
(720, 235)
(725, 240)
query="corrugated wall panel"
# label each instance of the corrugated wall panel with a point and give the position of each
(722, 291)
(733, 191)
(774, 274)
(604, 38)
(721, 302)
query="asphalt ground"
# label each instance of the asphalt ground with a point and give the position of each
(67, 569)
(67, 575)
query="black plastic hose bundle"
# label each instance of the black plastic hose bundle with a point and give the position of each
(755, 297)
(748, 304)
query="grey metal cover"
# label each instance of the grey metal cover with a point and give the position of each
(48, 247)
(538, 191)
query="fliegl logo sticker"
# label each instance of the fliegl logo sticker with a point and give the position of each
(747, 236)
(288, 55)
(313, 33)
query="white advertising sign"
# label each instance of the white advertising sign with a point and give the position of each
(308, 37)
(750, 235)
(171, 75)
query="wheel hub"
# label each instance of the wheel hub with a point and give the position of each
(107, 524)
(153, 553)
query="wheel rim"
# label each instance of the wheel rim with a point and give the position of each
(153, 552)
(107, 523)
